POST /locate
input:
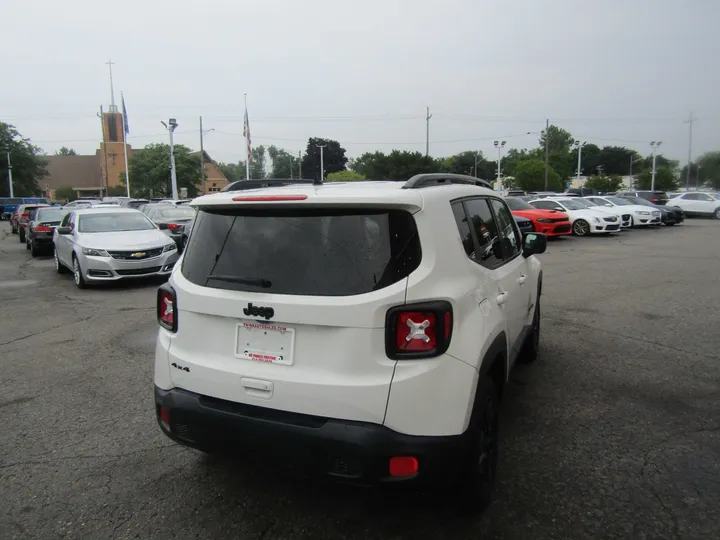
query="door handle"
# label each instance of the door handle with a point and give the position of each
(501, 298)
(522, 279)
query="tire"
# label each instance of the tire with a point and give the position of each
(77, 273)
(34, 249)
(532, 343)
(59, 268)
(481, 465)
(13, 230)
(632, 222)
(27, 243)
(21, 235)
(580, 227)
(717, 213)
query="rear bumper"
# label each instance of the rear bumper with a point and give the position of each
(341, 450)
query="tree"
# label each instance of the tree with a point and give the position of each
(150, 171)
(282, 161)
(560, 140)
(334, 159)
(28, 167)
(511, 159)
(464, 163)
(65, 151)
(345, 176)
(65, 194)
(604, 184)
(370, 165)
(118, 191)
(257, 164)
(232, 171)
(397, 165)
(590, 159)
(710, 168)
(616, 159)
(665, 179)
(529, 175)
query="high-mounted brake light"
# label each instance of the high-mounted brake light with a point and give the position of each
(167, 312)
(269, 198)
(420, 330)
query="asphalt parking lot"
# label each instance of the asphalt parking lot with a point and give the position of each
(613, 433)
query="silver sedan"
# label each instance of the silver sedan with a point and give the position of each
(109, 244)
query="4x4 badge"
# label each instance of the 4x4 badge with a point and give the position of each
(259, 311)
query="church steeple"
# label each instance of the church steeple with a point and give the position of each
(113, 107)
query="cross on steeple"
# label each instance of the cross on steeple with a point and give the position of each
(113, 107)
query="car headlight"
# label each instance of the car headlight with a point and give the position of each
(597, 220)
(170, 247)
(643, 213)
(95, 252)
(544, 220)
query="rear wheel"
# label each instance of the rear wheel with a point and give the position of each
(34, 250)
(581, 227)
(717, 213)
(27, 243)
(481, 465)
(21, 234)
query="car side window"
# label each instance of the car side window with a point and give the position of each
(463, 226)
(544, 205)
(688, 197)
(484, 228)
(509, 234)
(704, 197)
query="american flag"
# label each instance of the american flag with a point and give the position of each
(246, 134)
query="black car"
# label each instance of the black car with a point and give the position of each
(656, 197)
(524, 224)
(171, 219)
(670, 215)
(41, 224)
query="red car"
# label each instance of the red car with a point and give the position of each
(19, 220)
(550, 222)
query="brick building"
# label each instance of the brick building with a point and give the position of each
(91, 175)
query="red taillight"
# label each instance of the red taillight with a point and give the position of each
(174, 227)
(167, 308)
(269, 198)
(419, 330)
(164, 417)
(43, 228)
(403, 466)
(415, 331)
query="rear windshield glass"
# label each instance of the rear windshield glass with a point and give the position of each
(114, 222)
(302, 252)
(184, 212)
(50, 214)
(518, 204)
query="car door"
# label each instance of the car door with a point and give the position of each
(64, 241)
(484, 246)
(705, 203)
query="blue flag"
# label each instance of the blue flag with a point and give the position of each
(126, 126)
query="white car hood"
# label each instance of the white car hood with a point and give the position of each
(586, 213)
(125, 240)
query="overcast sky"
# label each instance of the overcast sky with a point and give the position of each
(362, 72)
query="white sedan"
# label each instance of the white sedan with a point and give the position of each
(640, 216)
(697, 204)
(585, 220)
(623, 218)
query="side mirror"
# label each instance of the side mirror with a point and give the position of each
(559, 209)
(534, 244)
(64, 230)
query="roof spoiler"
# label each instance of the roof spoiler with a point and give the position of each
(240, 185)
(438, 179)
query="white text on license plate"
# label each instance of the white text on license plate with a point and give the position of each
(269, 343)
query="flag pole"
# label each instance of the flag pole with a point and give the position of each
(125, 130)
(247, 138)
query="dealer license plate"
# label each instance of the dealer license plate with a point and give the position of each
(268, 343)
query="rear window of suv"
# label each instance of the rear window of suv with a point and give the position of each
(314, 252)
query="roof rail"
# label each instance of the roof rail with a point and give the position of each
(254, 183)
(438, 179)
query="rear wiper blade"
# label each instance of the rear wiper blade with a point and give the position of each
(258, 282)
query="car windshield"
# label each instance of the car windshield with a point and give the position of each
(572, 204)
(618, 201)
(640, 201)
(518, 204)
(587, 202)
(317, 252)
(50, 214)
(114, 222)
(183, 212)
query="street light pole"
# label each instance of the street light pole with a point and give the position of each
(171, 126)
(322, 162)
(499, 145)
(655, 145)
(10, 184)
(202, 155)
(579, 146)
(291, 166)
(475, 169)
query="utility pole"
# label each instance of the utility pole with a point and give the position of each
(499, 145)
(322, 162)
(689, 121)
(299, 164)
(10, 184)
(428, 116)
(171, 126)
(202, 159)
(102, 127)
(291, 166)
(476, 160)
(579, 146)
(655, 145)
(547, 139)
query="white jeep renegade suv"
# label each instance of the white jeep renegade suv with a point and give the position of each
(362, 331)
